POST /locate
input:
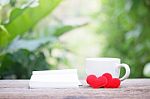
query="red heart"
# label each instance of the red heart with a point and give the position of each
(115, 83)
(112, 82)
(109, 78)
(95, 82)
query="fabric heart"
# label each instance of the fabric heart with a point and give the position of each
(111, 82)
(115, 83)
(109, 78)
(95, 82)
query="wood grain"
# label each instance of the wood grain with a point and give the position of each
(130, 89)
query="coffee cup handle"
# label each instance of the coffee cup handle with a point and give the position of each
(127, 73)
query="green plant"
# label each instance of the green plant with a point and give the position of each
(21, 63)
(22, 51)
(125, 26)
(22, 20)
(19, 60)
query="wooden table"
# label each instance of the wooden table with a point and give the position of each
(130, 89)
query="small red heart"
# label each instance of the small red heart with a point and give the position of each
(112, 82)
(95, 82)
(115, 83)
(109, 78)
(90, 78)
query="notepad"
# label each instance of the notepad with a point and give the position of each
(66, 78)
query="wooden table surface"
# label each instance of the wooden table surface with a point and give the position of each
(130, 89)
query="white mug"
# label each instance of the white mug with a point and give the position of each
(99, 66)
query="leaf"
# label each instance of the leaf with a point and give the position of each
(3, 35)
(15, 13)
(66, 28)
(30, 45)
(22, 20)
(18, 11)
(21, 63)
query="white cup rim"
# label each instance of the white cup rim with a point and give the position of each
(103, 59)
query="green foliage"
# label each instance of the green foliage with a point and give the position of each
(25, 55)
(22, 20)
(22, 51)
(21, 63)
(125, 25)
(19, 58)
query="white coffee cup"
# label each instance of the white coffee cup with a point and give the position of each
(99, 66)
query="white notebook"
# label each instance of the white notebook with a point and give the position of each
(66, 78)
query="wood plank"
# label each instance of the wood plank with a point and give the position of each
(131, 88)
(14, 83)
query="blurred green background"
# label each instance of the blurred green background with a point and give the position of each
(58, 34)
